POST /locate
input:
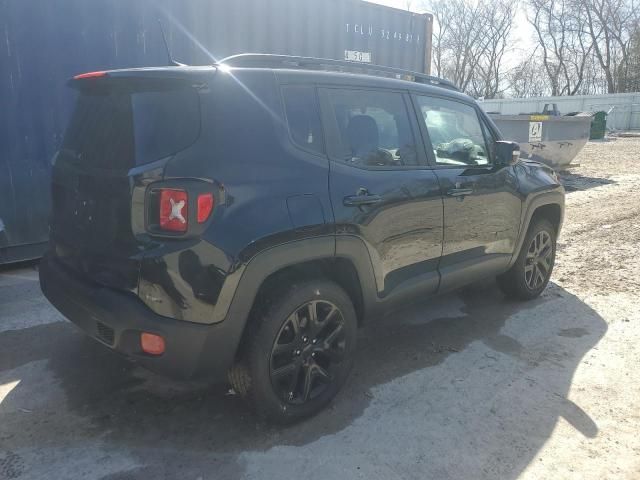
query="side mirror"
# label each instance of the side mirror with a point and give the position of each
(507, 153)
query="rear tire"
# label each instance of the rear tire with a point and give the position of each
(298, 353)
(530, 274)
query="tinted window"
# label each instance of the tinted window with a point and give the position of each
(111, 129)
(301, 108)
(100, 133)
(165, 122)
(455, 132)
(371, 128)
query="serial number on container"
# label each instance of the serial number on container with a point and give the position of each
(355, 56)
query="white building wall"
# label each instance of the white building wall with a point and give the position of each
(624, 114)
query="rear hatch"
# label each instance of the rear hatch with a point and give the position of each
(125, 127)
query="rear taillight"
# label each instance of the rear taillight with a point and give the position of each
(205, 206)
(171, 209)
(174, 210)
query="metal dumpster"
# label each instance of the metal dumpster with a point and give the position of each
(551, 139)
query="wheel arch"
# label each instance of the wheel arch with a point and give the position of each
(549, 205)
(294, 261)
(551, 212)
(339, 270)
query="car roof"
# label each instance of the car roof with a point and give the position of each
(322, 77)
(305, 75)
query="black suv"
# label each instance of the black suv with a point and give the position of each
(242, 220)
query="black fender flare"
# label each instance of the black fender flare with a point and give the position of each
(548, 197)
(249, 279)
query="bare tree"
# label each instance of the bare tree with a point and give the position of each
(633, 78)
(524, 79)
(565, 50)
(470, 41)
(584, 46)
(442, 11)
(498, 18)
(611, 24)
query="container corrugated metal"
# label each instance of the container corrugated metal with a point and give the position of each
(45, 42)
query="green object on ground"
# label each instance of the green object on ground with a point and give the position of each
(598, 126)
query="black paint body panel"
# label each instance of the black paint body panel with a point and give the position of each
(276, 206)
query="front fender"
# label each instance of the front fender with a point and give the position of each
(532, 202)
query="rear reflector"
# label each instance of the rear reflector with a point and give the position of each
(151, 343)
(205, 206)
(173, 210)
(90, 75)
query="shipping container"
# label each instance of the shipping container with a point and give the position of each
(46, 42)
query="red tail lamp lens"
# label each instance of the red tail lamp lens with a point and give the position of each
(205, 206)
(90, 75)
(151, 343)
(174, 210)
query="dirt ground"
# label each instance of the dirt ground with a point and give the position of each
(464, 386)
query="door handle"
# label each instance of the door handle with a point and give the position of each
(360, 200)
(459, 192)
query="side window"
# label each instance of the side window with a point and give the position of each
(369, 128)
(303, 119)
(454, 128)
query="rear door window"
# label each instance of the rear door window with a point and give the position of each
(115, 129)
(370, 128)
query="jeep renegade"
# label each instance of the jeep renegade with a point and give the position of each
(242, 220)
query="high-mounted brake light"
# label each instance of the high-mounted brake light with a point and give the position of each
(205, 206)
(90, 75)
(174, 210)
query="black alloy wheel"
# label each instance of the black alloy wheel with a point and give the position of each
(298, 351)
(308, 349)
(539, 260)
(531, 271)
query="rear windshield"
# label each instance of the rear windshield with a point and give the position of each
(120, 129)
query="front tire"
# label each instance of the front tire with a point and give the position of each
(298, 353)
(530, 274)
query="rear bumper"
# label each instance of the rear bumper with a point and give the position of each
(116, 320)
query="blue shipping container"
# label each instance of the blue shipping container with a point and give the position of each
(43, 43)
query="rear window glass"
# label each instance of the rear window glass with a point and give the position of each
(118, 129)
(372, 128)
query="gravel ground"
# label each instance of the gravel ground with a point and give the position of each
(468, 385)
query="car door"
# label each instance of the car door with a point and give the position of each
(382, 189)
(481, 201)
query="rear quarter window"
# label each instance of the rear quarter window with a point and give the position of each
(164, 122)
(303, 117)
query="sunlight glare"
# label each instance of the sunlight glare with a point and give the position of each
(5, 389)
(223, 68)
